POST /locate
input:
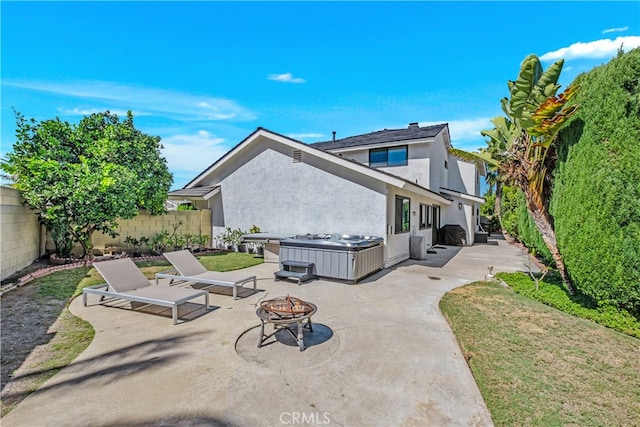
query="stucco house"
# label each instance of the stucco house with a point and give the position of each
(394, 183)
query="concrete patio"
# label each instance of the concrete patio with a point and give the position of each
(382, 354)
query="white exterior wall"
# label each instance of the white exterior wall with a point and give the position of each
(398, 244)
(280, 196)
(418, 161)
(426, 165)
(463, 176)
(438, 174)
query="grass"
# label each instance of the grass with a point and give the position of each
(538, 366)
(552, 292)
(72, 334)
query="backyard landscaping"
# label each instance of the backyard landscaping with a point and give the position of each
(39, 334)
(536, 365)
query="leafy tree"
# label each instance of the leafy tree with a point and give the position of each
(521, 146)
(85, 177)
(488, 207)
(509, 213)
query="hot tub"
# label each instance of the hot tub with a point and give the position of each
(336, 256)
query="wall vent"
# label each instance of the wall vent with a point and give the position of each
(297, 156)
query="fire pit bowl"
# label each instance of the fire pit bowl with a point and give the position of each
(285, 311)
(286, 307)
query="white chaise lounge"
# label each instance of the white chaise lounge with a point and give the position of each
(125, 281)
(188, 269)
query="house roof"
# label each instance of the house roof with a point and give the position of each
(414, 131)
(298, 145)
(205, 192)
(473, 198)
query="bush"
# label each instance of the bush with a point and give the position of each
(596, 198)
(509, 211)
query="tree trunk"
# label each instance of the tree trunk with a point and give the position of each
(544, 223)
(497, 203)
(88, 247)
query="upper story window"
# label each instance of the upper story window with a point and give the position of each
(393, 156)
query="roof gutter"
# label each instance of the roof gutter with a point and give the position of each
(426, 192)
(465, 196)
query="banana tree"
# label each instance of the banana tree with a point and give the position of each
(521, 145)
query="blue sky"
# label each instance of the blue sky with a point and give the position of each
(204, 75)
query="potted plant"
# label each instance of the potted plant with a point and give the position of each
(227, 238)
(257, 248)
(237, 240)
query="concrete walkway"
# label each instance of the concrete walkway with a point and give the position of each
(385, 356)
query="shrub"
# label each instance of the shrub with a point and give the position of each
(508, 211)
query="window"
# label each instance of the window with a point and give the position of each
(393, 156)
(403, 214)
(425, 216)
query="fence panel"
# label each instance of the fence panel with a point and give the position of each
(19, 234)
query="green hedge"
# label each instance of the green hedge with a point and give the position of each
(596, 197)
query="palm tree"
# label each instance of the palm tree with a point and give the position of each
(521, 145)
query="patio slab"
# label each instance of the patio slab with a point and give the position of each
(384, 355)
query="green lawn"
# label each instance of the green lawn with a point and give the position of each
(538, 366)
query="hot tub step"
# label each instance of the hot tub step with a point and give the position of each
(302, 271)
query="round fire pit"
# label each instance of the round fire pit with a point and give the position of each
(282, 312)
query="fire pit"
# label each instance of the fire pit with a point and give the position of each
(284, 311)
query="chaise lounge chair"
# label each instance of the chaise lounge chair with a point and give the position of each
(189, 269)
(126, 281)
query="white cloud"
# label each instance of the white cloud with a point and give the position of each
(305, 135)
(192, 153)
(615, 30)
(604, 48)
(88, 111)
(286, 78)
(157, 102)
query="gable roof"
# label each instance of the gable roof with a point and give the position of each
(386, 135)
(325, 155)
(205, 192)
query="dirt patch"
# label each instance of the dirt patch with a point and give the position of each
(26, 331)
